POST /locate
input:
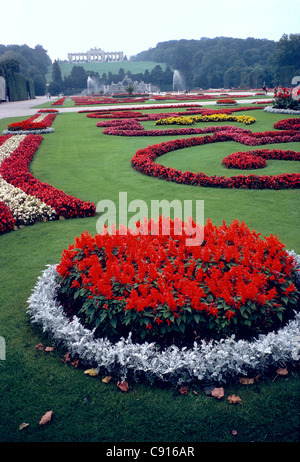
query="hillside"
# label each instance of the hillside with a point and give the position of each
(229, 62)
(134, 67)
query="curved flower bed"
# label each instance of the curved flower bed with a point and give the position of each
(132, 127)
(281, 111)
(257, 158)
(288, 124)
(144, 162)
(218, 361)
(27, 198)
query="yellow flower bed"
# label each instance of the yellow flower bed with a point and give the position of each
(176, 120)
(247, 120)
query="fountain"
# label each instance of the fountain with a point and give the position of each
(92, 86)
(178, 81)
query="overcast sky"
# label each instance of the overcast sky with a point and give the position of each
(63, 26)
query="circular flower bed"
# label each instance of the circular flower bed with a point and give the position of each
(234, 283)
(257, 158)
(154, 285)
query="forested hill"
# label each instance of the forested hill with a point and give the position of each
(229, 62)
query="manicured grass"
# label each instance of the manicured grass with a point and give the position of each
(82, 161)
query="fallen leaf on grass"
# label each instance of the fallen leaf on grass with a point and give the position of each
(218, 393)
(123, 386)
(183, 390)
(66, 358)
(233, 399)
(39, 346)
(107, 379)
(49, 349)
(246, 380)
(23, 425)
(46, 418)
(282, 371)
(91, 372)
(75, 363)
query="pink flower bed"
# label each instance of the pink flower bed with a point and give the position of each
(133, 126)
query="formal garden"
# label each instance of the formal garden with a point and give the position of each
(134, 333)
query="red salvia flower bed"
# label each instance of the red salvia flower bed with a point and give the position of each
(154, 285)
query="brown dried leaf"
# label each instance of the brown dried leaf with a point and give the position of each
(282, 371)
(49, 349)
(39, 346)
(246, 380)
(183, 390)
(75, 363)
(46, 418)
(107, 379)
(66, 358)
(123, 386)
(233, 399)
(23, 425)
(218, 393)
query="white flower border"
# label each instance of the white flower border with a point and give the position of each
(214, 361)
(27, 132)
(281, 111)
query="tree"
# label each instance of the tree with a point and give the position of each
(79, 77)
(56, 78)
(130, 89)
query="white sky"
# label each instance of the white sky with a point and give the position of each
(64, 26)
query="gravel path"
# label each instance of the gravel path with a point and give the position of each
(29, 107)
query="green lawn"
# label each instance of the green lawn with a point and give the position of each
(82, 161)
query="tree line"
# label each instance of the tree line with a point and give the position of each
(225, 62)
(76, 81)
(20, 63)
